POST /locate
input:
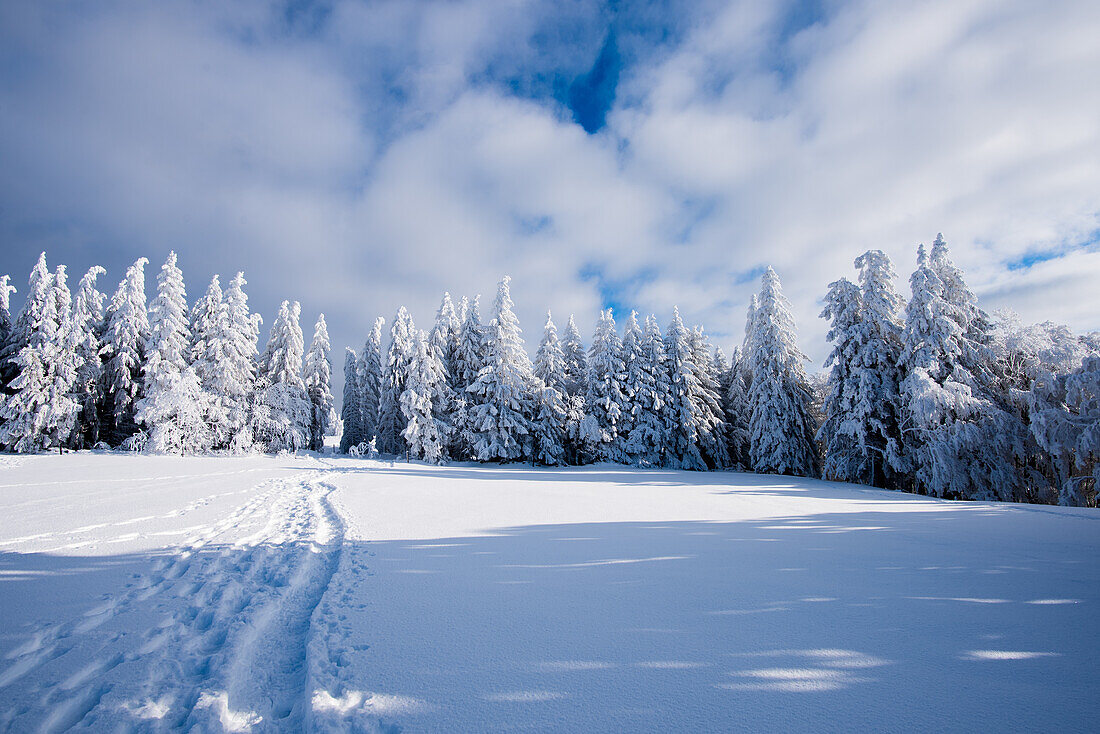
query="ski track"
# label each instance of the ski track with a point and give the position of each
(214, 638)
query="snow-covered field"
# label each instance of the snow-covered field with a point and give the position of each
(328, 593)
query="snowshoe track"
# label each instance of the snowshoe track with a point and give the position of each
(214, 638)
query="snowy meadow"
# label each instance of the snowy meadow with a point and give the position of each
(322, 592)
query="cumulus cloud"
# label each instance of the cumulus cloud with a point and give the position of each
(358, 155)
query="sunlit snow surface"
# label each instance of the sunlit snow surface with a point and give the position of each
(326, 593)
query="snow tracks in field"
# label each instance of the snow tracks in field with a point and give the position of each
(214, 638)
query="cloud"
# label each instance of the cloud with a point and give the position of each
(361, 155)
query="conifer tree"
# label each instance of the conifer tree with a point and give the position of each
(549, 359)
(632, 351)
(425, 432)
(576, 362)
(123, 351)
(318, 378)
(710, 416)
(86, 342)
(39, 412)
(370, 381)
(1065, 420)
(552, 415)
(351, 408)
(173, 406)
(846, 453)
(737, 409)
(235, 380)
(958, 443)
(682, 445)
(645, 444)
(401, 352)
(780, 397)
(470, 359)
(501, 414)
(281, 412)
(605, 399)
(209, 359)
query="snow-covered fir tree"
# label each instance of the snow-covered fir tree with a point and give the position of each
(648, 379)
(1065, 420)
(86, 334)
(234, 381)
(735, 403)
(370, 380)
(444, 339)
(550, 425)
(317, 375)
(391, 422)
(549, 359)
(957, 442)
(605, 400)
(351, 407)
(40, 413)
(780, 398)
(710, 416)
(576, 360)
(173, 405)
(123, 351)
(845, 453)
(425, 432)
(552, 414)
(502, 410)
(632, 353)
(281, 411)
(208, 358)
(682, 437)
(470, 358)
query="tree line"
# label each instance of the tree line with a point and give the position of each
(84, 372)
(928, 394)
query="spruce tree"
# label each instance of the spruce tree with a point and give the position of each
(370, 381)
(318, 379)
(738, 414)
(633, 349)
(235, 380)
(780, 397)
(470, 359)
(549, 359)
(844, 439)
(123, 351)
(645, 445)
(500, 418)
(425, 431)
(209, 359)
(351, 408)
(87, 340)
(40, 413)
(576, 363)
(398, 358)
(281, 412)
(173, 406)
(710, 416)
(552, 413)
(605, 399)
(682, 444)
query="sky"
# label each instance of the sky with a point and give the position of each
(357, 156)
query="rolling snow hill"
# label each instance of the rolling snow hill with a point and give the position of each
(336, 594)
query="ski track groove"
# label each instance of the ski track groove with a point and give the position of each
(230, 650)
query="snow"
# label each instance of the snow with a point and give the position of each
(329, 593)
